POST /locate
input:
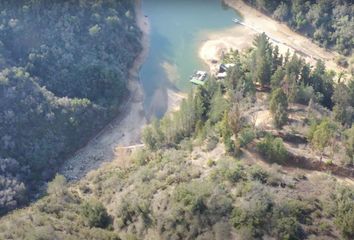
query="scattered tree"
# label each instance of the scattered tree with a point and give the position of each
(279, 107)
(323, 136)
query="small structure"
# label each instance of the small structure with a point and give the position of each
(199, 77)
(235, 20)
(222, 75)
(223, 68)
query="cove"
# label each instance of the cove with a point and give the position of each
(176, 32)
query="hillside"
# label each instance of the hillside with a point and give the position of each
(61, 63)
(258, 155)
(179, 194)
(329, 23)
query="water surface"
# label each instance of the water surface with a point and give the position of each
(177, 28)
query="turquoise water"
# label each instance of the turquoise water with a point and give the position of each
(177, 29)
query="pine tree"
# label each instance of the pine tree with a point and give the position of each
(277, 78)
(262, 60)
(235, 77)
(263, 72)
(235, 119)
(226, 134)
(279, 107)
(277, 59)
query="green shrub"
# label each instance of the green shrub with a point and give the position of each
(287, 228)
(230, 146)
(255, 216)
(95, 214)
(42, 233)
(246, 136)
(259, 174)
(304, 94)
(210, 163)
(235, 174)
(230, 170)
(193, 196)
(344, 212)
(300, 210)
(57, 187)
(140, 157)
(273, 149)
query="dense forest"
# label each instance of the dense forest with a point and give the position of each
(193, 179)
(330, 23)
(63, 75)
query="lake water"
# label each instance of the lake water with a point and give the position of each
(177, 29)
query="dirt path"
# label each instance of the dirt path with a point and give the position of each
(241, 37)
(124, 130)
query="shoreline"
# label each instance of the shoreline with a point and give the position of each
(241, 37)
(125, 129)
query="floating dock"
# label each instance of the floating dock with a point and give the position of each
(199, 78)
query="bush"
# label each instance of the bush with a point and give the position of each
(246, 136)
(230, 170)
(235, 173)
(210, 163)
(140, 157)
(287, 228)
(344, 211)
(304, 94)
(254, 217)
(273, 149)
(258, 173)
(58, 186)
(95, 214)
(192, 196)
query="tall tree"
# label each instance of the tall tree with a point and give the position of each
(279, 107)
(342, 110)
(323, 136)
(263, 60)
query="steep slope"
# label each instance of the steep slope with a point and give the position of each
(183, 194)
(61, 63)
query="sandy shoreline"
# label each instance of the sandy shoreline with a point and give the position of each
(241, 37)
(125, 130)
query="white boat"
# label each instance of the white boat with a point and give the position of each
(235, 20)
